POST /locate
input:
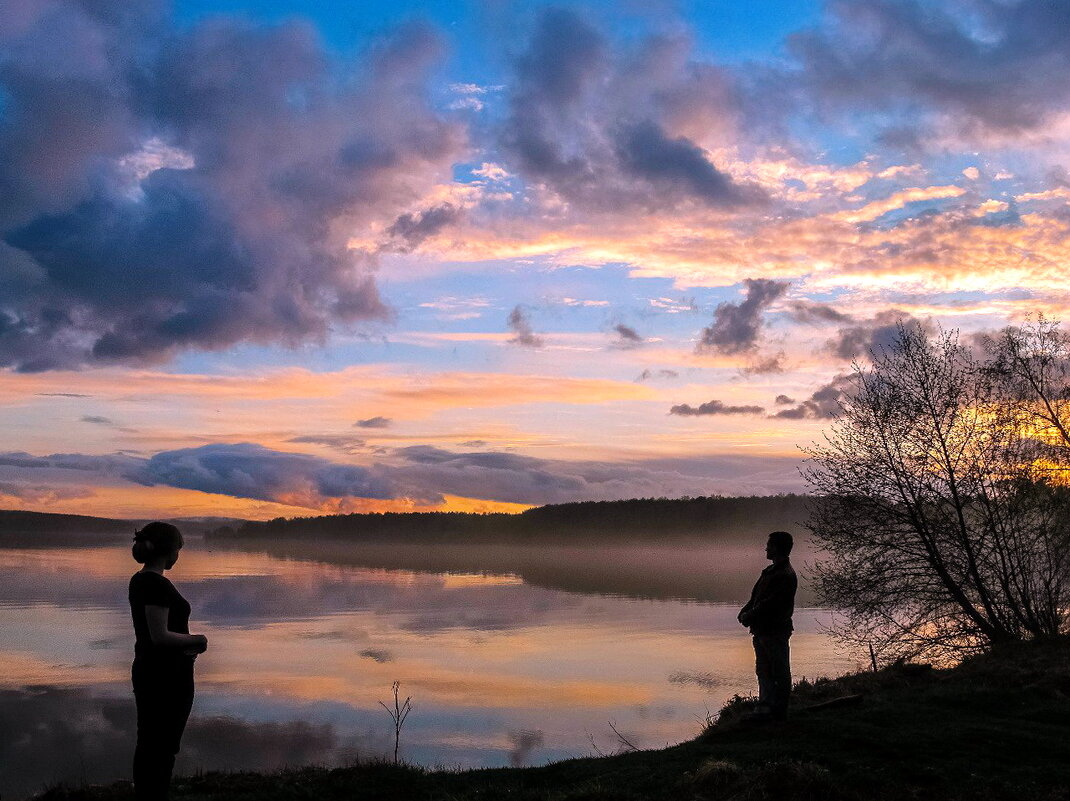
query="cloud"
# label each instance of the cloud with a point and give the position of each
(247, 470)
(627, 337)
(496, 475)
(869, 336)
(97, 420)
(663, 373)
(609, 131)
(43, 493)
(166, 187)
(520, 325)
(821, 405)
(524, 743)
(377, 655)
(409, 230)
(418, 474)
(713, 407)
(764, 365)
(736, 326)
(374, 422)
(811, 313)
(107, 464)
(675, 163)
(338, 442)
(981, 68)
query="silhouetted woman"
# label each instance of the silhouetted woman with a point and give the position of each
(164, 652)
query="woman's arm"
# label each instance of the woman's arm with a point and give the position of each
(156, 617)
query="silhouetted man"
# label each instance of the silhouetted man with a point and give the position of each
(768, 615)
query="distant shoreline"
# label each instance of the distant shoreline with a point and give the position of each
(642, 519)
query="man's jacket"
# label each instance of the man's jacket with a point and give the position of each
(772, 601)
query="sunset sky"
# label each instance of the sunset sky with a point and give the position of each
(270, 257)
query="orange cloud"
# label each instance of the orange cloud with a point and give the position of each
(137, 502)
(824, 250)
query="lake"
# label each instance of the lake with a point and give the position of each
(512, 654)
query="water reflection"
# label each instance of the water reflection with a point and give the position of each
(680, 569)
(503, 668)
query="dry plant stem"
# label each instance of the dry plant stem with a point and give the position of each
(625, 743)
(398, 715)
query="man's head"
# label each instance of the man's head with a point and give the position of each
(779, 545)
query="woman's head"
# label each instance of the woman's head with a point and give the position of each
(157, 542)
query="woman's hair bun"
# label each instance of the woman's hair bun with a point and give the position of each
(155, 538)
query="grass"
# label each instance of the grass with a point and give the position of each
(996, 728)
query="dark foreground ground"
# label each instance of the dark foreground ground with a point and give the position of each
(996, 727)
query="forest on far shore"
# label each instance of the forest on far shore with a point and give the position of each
(636, 519)
(20, 524)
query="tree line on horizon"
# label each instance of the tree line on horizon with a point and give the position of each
(637, 518)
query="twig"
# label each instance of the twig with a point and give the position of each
(624, 741)
(594, 745)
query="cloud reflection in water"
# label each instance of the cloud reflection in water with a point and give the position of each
(501, 671)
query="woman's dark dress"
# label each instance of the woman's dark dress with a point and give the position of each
(163, 685)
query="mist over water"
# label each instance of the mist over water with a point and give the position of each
(513, 654)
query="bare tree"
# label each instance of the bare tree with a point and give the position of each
(945, 526)
(1032, 367)
(398, 714)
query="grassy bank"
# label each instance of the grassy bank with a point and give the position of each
(995, 727)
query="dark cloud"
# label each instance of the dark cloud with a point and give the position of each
(675, 163)
(870, 336)
(736, 326)
(713, 407)
(167, 187)
(981, 66)
(419, 473)
(246, 470)
(784, 400)
(377, 655)
(1059, 176)
(524, 743)
(627, 337)
(649, 374)
(107, 464)
(374, 422)
(821, 405)
(62, 395)
(98, 420)
(811, 313)
(409, 230)
(765, 365)
(339, 442)
(597, 127)
(494, 475)
(523, 333)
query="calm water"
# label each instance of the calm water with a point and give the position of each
(512, 655)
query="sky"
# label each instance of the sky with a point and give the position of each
(266, 258)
